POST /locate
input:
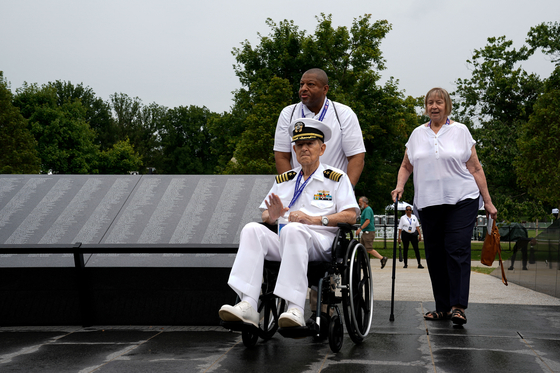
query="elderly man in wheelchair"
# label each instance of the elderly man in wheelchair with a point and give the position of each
(311, 200)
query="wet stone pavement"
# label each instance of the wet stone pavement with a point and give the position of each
(497, 338)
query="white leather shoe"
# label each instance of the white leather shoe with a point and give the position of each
(291, 318)
(242, 311)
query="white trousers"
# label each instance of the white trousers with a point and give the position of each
(296, 246)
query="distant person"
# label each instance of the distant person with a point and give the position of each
(367, 229)
(521, 244)
(409, 232)
(449, 188)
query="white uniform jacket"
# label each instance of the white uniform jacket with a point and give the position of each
(321, 196)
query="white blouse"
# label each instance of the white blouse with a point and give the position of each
(440, 172)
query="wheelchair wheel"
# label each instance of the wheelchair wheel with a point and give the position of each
(336, 333)
(250, 337)
(270, 313)
(357, 298)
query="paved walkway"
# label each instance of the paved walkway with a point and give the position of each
(413, 284)
(509, 329)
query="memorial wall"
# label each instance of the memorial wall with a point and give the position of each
(158, 210)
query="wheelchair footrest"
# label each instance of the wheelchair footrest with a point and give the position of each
(297, 332)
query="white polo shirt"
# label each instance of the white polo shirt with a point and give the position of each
(321, 196)
(346, 140)
(407, 224)
(440, 172)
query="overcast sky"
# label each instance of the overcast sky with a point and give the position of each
(178, 53)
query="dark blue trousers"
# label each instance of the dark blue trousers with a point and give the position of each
(447, 231)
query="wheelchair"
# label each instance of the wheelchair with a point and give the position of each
(346, 280)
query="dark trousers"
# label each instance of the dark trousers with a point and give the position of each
(447, 233)
(413, 239)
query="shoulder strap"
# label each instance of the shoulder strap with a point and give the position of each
(336, 113)
(333, 175)
(289, 175)
(293, 111)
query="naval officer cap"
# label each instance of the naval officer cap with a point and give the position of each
(309, 129)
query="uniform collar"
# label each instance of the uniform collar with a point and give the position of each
(318, 174)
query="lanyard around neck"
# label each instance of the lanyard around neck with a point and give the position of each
(323, 112)
(299, 189)
(446, 122)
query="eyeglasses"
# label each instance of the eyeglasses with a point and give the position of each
(408, 210)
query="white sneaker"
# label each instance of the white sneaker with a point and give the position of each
(242, 311)
(291, 318)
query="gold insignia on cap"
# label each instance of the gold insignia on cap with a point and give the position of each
(299, 127)
(285, 177)
(333, 175)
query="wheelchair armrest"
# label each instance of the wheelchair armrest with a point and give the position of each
(346, 227)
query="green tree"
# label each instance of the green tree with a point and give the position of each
(120, 159)
(98, 112)
(140, 124)
(499, 99)
(547, 37)
(185, 141)
(65, 140)
(538, 164)
(19, 155)
(387, 119)
(253, 153)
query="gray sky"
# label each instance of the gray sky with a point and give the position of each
(178, 53)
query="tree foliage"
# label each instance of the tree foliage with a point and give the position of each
(65, 140)
(499, 99)
(547, 37)
(120, 159)
(97, 112)
(185, 141)
(538, 164)
(253, 153)
(19, 154)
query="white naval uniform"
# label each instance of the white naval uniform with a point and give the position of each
(298, 243)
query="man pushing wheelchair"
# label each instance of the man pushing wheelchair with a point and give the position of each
(313, 198)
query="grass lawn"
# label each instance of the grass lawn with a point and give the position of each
(476, 248)
(485, 270)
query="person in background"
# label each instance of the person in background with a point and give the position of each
(367, 229)
(449, 188)
(409, 232)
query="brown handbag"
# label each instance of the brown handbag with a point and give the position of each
(490, 247)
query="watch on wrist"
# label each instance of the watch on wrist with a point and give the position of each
(324, 220)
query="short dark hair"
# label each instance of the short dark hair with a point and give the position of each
(321, 75)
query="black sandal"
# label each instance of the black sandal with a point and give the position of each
(437, 315)
(458, 317)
